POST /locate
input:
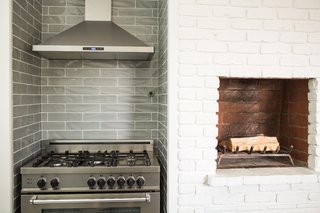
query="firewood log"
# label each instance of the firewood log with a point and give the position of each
(245, 143)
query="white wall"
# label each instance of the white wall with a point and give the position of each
(6, 177)
(249, 38)
(232, 38)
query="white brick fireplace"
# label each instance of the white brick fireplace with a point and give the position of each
(241, 39)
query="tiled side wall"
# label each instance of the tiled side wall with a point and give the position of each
(162, 91)
(96, 99)
(26, 87)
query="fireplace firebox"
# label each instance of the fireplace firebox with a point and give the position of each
(264, 107)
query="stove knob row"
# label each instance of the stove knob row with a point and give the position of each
(111, 181)
(42, 183)
(91, 182)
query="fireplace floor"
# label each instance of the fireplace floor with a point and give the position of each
(255, 162)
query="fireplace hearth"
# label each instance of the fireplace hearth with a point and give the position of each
(269, 107)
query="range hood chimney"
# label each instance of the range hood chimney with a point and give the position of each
(95, 38)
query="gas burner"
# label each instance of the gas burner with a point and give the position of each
(138, 159)
(57, 164)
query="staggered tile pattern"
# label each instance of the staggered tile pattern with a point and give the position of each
(26, 87)
(100, 99)
(162, 92)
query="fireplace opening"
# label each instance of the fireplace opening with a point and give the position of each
(263, 109)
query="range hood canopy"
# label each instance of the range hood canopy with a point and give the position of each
(95, 38)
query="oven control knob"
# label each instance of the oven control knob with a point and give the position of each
(131, 181)
(101, 182)
(42, 182)
(121, 181)
(91, 182)
(111, 181)
(140, 181)
(55, 183)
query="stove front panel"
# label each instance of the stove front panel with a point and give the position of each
(79, 182)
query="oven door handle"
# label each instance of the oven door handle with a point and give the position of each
(35, 201)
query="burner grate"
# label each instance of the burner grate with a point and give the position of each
(88, 159)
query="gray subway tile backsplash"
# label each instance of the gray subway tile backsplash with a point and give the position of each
(124, 3)
(62, 99)
(117, 125)
(100, 63)
(115, 108)
(123, 20)
(56, 134)
(53, 125)
(82, 90)
(65, 81)
(100, 99)
(82, 125)
(54, 3)
(119, 73)
(117, 90)
(102, 134)
(134, 134)
(52, 90)
(101, 116)
(134, 99)
(106, 82)
(53, 108)
(65, 63)
(74, 19)
(53, 72)
(66, 11)
(146, 107)
(147, 4)
(135, 82)
(80, 3)
(83, 72)
(112, 93)
(83, 107)
(61, 116)
(53, 19)
(146, 125)
(135, 12)
(134, 116)
(56, 28)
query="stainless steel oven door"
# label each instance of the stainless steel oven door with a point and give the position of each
(91, 203)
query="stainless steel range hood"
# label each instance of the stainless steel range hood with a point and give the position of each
(95, 38)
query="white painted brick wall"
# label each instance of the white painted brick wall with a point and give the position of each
(262, 197)
(242, 38)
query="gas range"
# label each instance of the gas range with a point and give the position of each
(87, 171)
